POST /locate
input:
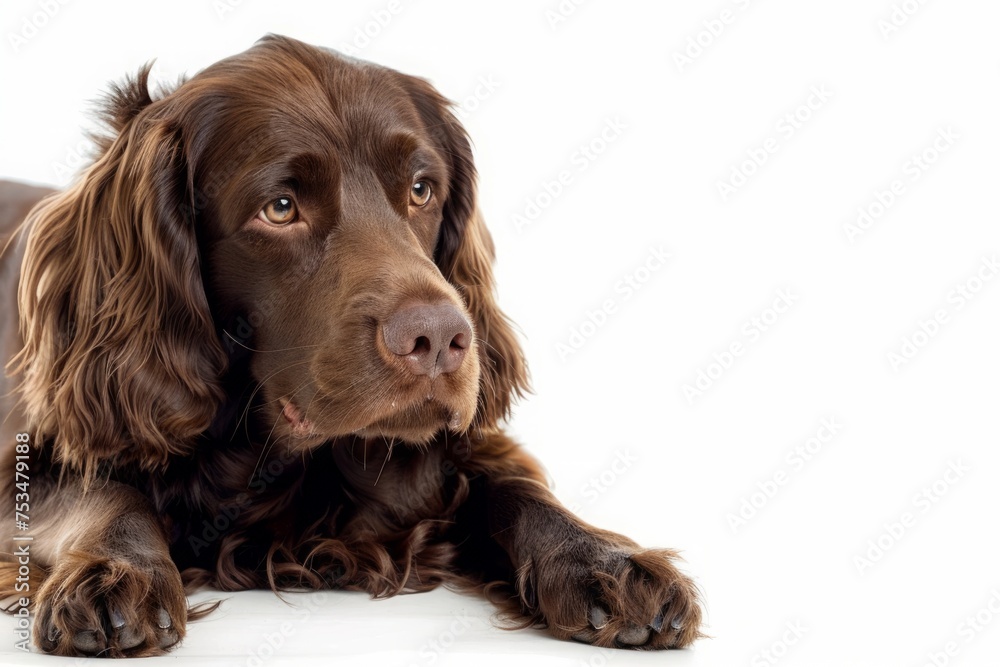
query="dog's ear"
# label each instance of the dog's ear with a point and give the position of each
(465, 255)
(120, 357)
(504, 373)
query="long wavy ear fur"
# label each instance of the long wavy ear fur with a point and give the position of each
(504, 374)
(120, 357)
(465, 256)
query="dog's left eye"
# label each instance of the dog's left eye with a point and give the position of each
(420, 193)
(281, 211)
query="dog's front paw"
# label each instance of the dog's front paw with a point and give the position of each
(603, 594)
(109, 607)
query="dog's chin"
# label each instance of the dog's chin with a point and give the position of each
(416, 423)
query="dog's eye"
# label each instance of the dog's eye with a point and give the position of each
(420, 193)
(281, 211)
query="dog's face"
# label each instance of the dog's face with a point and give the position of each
(332, 180)
(288, 210)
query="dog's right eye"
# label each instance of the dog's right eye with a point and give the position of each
(281, 211)
(420, 193)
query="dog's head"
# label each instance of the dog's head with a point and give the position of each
(303, 216)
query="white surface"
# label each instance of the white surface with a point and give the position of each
(655, 185)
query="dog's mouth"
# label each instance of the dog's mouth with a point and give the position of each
(300, 425)
(413, 422)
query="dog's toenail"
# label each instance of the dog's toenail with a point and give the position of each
(86, 641)
(598, 618)
(117, 620)
(164, 620)
(634, 636)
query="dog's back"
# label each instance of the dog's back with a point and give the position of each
(16, 200)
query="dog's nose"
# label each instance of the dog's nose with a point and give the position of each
(430, 338)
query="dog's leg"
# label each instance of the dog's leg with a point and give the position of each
(108, 586)
(581, 582)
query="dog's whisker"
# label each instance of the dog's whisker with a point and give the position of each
(284, 349)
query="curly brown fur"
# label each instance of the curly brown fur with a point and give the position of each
(257, 345)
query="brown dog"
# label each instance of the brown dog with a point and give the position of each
(256, 345)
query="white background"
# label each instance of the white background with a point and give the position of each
(685, 467)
